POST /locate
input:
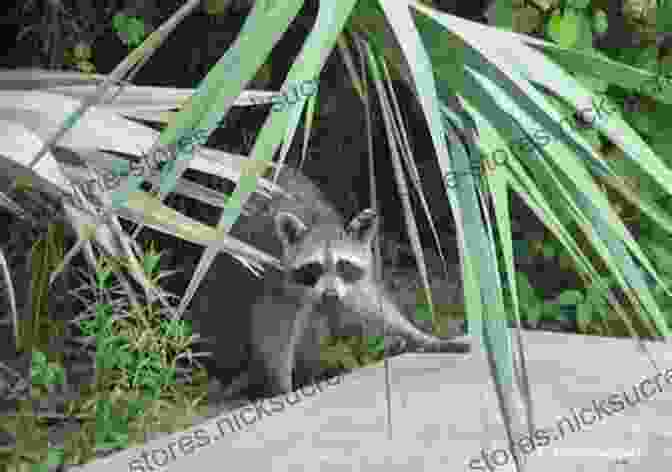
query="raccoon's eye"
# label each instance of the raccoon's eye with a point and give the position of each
(349, 271)
(307, 275)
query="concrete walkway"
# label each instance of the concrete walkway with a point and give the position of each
(445, 415)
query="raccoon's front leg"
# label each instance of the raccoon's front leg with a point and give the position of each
(272, 361)
(384, 314)
(308, 364)
(275, 337)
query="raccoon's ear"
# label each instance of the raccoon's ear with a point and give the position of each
(289, 228)
(363, 227)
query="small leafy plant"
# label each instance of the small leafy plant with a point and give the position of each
(350, 352)
(139, 355)
(573, 26)
(130, 29)
(32, 451)
(138, 352)
(80, 56)
(45, 374)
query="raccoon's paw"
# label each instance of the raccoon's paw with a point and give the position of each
(459, 344)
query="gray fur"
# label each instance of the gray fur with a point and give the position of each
(289, 319)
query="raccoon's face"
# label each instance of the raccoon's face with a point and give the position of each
(327, 262)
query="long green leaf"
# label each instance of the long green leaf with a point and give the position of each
(330, 21)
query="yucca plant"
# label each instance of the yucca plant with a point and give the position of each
(483, 91)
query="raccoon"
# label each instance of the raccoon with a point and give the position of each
(327, 287)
